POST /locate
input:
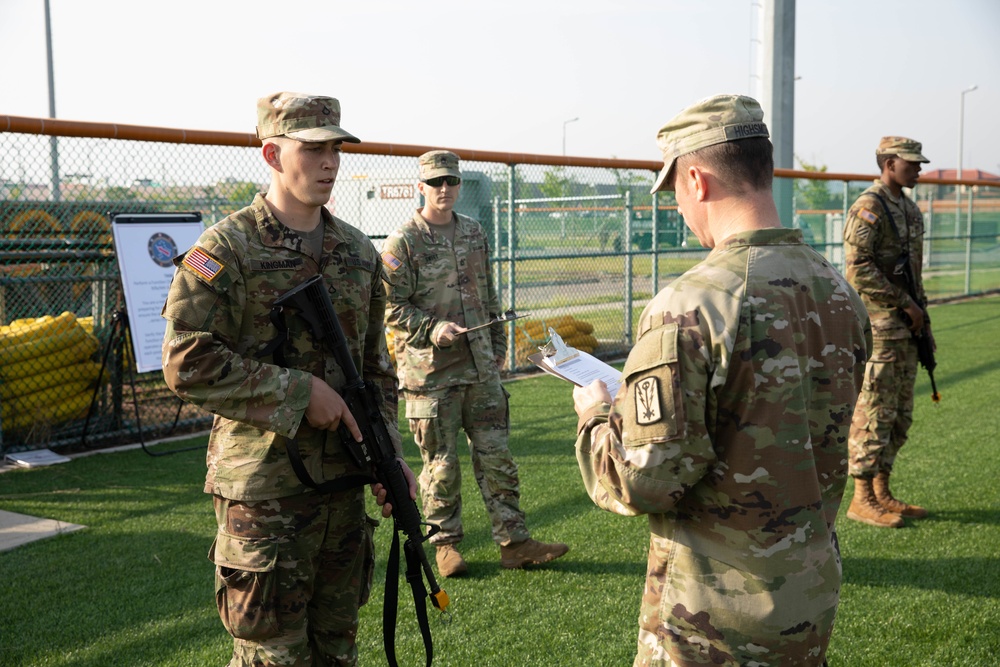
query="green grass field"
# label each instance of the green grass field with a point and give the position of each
(134, 588)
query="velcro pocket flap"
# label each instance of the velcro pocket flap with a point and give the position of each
(421, 408)
(655, 348)
(242, 553)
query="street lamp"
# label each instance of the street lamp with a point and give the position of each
(958, 175)
(565, 123)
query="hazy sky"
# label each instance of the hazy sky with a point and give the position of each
(506, 75)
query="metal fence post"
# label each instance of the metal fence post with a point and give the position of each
(929, 230)
(511, 250)
(627, 249)
(968, 244)
(497, 272)
(656, 244)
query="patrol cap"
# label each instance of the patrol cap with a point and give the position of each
(438, 163)
(714, 120)
(302, 117)
(908, 149)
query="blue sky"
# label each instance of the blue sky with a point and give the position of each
(506, 75)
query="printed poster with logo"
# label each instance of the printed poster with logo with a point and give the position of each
(146, 245)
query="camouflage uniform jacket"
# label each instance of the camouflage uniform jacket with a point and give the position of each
(432, 281)
(218, 322)
(872, 249)
(730, 431)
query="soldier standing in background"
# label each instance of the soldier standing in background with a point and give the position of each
(730, 427)
(439, 283)
(293, 562)
(884, 229)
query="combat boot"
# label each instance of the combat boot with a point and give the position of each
(885, 499)
(530, 552)
(866, 508)
(450, 563)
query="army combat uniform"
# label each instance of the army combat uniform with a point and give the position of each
(730, 432)
(433, 280)
(293, 565)
(872, 250)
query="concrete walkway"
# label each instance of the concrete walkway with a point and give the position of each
(18, 529)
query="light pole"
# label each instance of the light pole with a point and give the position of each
(961, 138)
(565, 123)
(53, 141)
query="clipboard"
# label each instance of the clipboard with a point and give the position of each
(573, 365)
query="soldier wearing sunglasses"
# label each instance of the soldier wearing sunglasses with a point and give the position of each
(440, 289)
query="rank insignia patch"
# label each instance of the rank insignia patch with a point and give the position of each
(647, 401)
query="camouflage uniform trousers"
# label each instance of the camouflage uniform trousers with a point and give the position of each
(291, 574)
(482, 410)
(884, 411)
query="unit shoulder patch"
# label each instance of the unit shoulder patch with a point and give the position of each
(647, 401)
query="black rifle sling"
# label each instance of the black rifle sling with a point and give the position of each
(391, 601)
(892, 221)
(274, 350)
(330, 486)
(273, 346)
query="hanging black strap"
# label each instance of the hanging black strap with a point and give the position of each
(391, 600)
(330, 486)
(892, 221)
(273, 347)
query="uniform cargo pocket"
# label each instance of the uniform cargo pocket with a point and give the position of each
(246, 590)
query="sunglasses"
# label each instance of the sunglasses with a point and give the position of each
(450, 180)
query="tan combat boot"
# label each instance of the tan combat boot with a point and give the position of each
(450, 563)
(866, 508)
(530, 552)
(885, 499)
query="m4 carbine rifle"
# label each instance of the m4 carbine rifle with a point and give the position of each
(375, 453)
(925, 344)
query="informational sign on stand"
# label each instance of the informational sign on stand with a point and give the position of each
(146, 244)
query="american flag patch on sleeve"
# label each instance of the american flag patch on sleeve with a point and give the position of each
(203, 264)
(868, 216)
(391, 260)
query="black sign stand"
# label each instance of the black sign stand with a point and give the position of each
(119, 328)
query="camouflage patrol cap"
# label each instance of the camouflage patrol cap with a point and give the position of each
(908, 149)
(714, 120)
(310, 118)
(438, 163)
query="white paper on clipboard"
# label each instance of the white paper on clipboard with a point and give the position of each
(575, 365)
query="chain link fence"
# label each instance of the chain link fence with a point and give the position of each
(579, 246)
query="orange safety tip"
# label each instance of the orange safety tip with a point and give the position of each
(440, 600)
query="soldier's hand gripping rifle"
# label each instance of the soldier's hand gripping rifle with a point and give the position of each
(375, 452)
